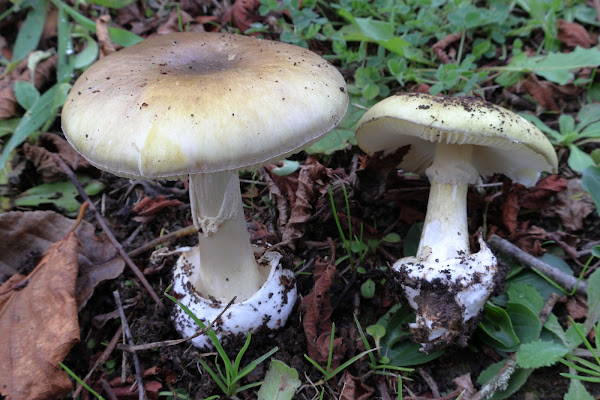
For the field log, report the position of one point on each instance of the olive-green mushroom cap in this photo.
(503, 142)
(188, 103)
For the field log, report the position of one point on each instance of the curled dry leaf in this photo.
(542, 92)
(572, 207)
(573, 34)
(27, 234)
(317, 310)
(355, 389)
(40, 155)
(39, 326)
(242, 14)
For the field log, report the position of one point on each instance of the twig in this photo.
(430, 382)
(164, 343)
(188, 230)
(107, 390)
(136, 361)
(567, 281)
(107, 230)
(101, 360)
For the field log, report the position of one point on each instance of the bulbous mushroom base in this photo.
(448, 296)
(268, 308)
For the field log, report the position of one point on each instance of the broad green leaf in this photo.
(525, 322)
(579, 160)
(517, 379)
(566, 124)
(118, 36)
(557, 67)
(593, 298)
(588, 113)
(577, 391)
(39, 113)
(281, 382)
(411, 241)
(64, 68)
(591, 184)
(522, 293)
(591, 131)
(60, 194)
(31, 31)
(88, 55)
(540, 354)
(375, 29)
(8, 126)
(112, 3)
(26, 94)
(395, 344)
(497, 329)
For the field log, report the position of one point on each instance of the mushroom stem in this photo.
(445, 232)
(226, 266)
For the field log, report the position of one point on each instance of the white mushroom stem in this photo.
(226, 266)
(445, 233)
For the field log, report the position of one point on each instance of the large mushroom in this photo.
(207, 105)
(453, 141)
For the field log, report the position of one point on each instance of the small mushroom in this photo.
(453, 141)
(208, 105)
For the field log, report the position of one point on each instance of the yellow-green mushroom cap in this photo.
(188, 103)
(503, 142)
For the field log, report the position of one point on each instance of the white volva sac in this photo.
(452, 141)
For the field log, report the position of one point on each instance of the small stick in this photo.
(164, 343)
(107, 230)
(101, 360)
(107, 390)
(136, 360)
(567, 281)
(188, 230)
(430, 382)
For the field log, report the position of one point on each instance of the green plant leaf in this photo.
(8, 126)
(556, 67)
(540, 353)
(579, 160)
(88, 55)
(517, 379)
(593, 294)
(26, 94)
(112, 3)
(522, 293)
(281, 382)
(590, 182)
(367, 289)
(497, 328)
(40, 112)
(62, 195)
(31, 31)
(577, 391)
(411, 241)
(525, 322)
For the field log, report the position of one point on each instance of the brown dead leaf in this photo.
(538, 196)
(172, 23)
(43, 73)
(106, 45)
(355, 389)
(529, 238)
(148, 206)
(38, 326)
(573, 34)
(301, 208)
(572, 207)
(27, 234)
(242, 14)
(577, 309)
(316, 307)
(41, 156)
(511, 208)
(542, 92)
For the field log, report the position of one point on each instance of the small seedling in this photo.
(327, 372)
(227, 380)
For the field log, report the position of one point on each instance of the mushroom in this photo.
(453, 141)
(208, 105)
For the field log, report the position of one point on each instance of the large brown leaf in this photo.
(25, 235)
(39, 326)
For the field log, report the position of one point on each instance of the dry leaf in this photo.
(355, 389)
(538, 196)
(28, 234)
(572, 207)
(38, 327)
(542, 92)
(41, 156)
(242, 14)
(573, 34)
(317, 310)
